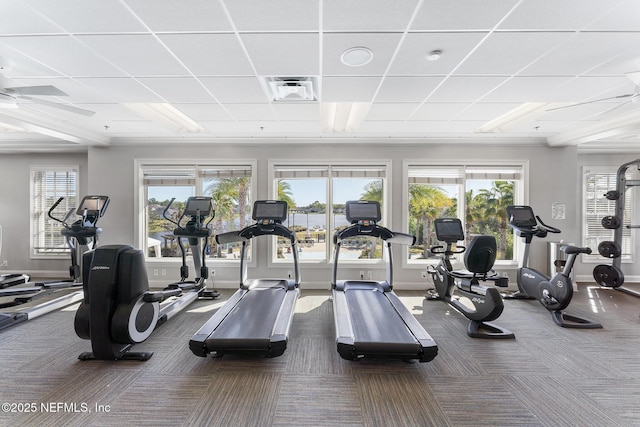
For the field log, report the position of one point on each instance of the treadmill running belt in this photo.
(250, 322)
(377, 326)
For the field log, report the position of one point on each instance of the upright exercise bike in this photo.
(554, 293)
(462, 289)
(119, 310)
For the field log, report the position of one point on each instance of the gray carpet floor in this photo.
(547, 376)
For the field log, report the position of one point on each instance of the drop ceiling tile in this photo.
(554, 15)
(349, 89)
(209, 54)
(590, 53)
(122, 90)
(464, 88)
(274, 15)
(431, 111)
(18, 18)
(235, 90)
(171, 15)
(251, 112)
(135, 54)
(64, 54)
(283, 54)
(334, 45)
(411, 58)
(392, 111)
(456, 15)
(297, 111)
(407, 89)
(177, 89)
(79, 16)
(205, 112)
(367, 15)
(624, 15)
(508, 53)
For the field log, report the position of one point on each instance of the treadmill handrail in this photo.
(271, 229)
(374, 231)
(230, 237)
(362, 230)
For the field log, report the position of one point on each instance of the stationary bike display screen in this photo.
(93, 205)
(449, 230)
(270, 210)
(363, 211)
(521, 216)
(198, 203)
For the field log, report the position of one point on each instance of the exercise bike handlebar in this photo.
(547, 227)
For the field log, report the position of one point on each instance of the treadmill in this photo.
(370, 319)
(257, 317)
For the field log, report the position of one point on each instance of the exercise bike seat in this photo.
(478, 260)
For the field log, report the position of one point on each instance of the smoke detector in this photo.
(291, 89)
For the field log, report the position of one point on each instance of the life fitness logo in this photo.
(100, 267)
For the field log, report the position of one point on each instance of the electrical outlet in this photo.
(5, 263)
(289, 274)
(423, 274)
(213, 274)
(362, 275)
(163, 272)
(155, 271)
(369, 275)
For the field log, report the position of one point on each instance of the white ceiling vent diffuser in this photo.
(291, 89)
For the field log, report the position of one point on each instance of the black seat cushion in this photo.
(480, 254)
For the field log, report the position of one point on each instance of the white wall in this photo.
(552, 178)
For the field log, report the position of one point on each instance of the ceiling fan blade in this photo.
(626, 95)
(65, 107)
(35, 90)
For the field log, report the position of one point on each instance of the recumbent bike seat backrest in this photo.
(481, 254)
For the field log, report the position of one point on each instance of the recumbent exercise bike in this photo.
(462, 289)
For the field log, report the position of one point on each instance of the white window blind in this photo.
(596, 206)
(47, 186)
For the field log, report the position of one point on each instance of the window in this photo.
(316, 195)
(478, 195)
(48, 184)
(230, 187)
(597, 181)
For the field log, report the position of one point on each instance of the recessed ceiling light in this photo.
(434, 55)
(356, 56)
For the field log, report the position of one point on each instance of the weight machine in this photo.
(611, 275)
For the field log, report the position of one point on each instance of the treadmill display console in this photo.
(449, 229)
(198, 203)
(270, 210)
(521, 216)
(365, 211)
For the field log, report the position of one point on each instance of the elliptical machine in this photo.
(478, 303)
(118, 309)
(554, 293)
(83, 235)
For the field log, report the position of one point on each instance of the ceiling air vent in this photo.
(291, 89)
